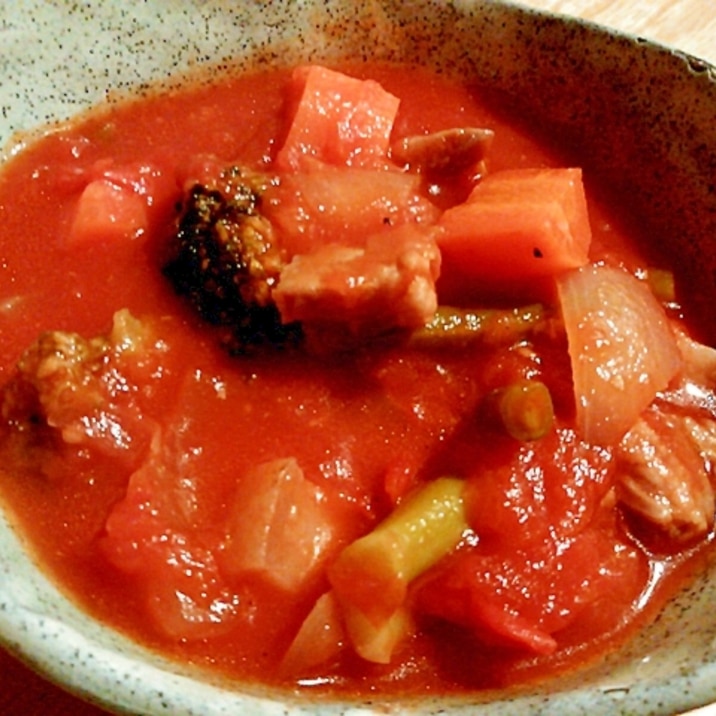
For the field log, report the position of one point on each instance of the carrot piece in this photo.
(339, 120)
(516, 225)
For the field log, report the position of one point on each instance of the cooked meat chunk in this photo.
(664, 473)
(449, 150)
(77, 387)
(53, 375)
(389, 284)
(226, 260)
(702, 432)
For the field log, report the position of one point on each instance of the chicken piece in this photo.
(364, 292)
(664, 472)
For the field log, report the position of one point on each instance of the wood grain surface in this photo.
(689, 25)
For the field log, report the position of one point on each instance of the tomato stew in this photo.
(392, 488)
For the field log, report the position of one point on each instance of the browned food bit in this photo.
(77, 388)
(54, 386)
(226, 258)
(450, 150)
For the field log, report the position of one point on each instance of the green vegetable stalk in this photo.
(662, 284)
(454, 327)
(525, 408)
(371, 575)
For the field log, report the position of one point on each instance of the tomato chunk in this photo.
(281, 527)
(550, 488)
(150, 536)
(516, 225)
(340, 120)
(119, 202)
(524, 598)
(107, 212)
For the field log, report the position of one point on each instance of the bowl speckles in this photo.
(642, 116)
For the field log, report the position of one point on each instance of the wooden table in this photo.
(687, 24)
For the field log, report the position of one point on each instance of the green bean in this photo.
(419, 531)
(454, 327)
(371, 575)
(662, 284)
(525, 408)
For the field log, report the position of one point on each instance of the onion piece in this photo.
(621, 345)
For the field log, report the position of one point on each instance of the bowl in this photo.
(643, 116)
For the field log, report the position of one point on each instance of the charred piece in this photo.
(226, 261)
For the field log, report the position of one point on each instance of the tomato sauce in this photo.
(366, 426)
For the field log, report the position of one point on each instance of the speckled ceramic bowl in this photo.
(642, 115)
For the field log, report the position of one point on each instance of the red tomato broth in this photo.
(381, 412)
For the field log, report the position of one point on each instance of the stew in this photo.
(340, 378)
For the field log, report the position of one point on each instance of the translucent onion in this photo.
(621, 345)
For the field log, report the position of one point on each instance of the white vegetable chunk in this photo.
(621, 345)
